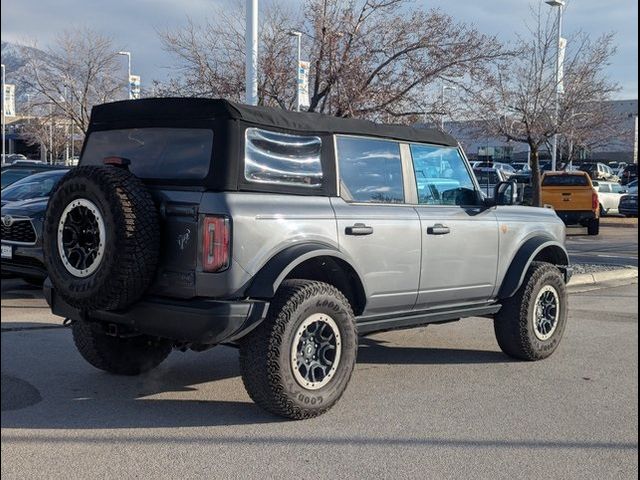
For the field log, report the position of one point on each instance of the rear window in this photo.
(565, 181)
(487, 177)
(155, 153)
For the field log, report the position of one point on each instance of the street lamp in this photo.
(4, 118)
(442, 99)
(128, 55)
(251, 39)
(298, 35)
(559, 4)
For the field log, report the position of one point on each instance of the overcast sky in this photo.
(133, 24)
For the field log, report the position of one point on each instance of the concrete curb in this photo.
(597, 278)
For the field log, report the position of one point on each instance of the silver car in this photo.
(191, 223)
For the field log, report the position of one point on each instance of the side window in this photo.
(605, 188)
(282, 159)
(370, 170)
(442, 177)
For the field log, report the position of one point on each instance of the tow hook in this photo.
(68, 322)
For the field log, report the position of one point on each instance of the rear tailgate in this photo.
(178, 262)
(568, 198)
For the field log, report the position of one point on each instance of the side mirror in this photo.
(506, 193)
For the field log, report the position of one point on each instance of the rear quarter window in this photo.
(282, 159)
(565, 181)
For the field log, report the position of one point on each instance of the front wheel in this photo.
(530, 325)
(298, 362)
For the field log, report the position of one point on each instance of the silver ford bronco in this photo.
(191, 223)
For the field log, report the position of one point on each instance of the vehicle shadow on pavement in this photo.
(68, 394)
(15, 289)
(375, 351)
(58, 390)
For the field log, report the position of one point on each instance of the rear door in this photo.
(376, 228)
(460, 243)
(163, 157)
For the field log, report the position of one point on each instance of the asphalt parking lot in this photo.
(436, 402)
(617, 243)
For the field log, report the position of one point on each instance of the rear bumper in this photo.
(191, 321)
(570, 217)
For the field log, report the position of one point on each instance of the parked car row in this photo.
(24, 203)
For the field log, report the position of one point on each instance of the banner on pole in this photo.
(9, 100)
(562, 49)
(303, 83)
(134, 86)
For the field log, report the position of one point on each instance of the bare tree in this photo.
(370, 58)
(518, 103)
(50, 130)
(594, 126)
(79, 70)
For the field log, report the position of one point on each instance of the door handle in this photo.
(359, 229)
(438, 229)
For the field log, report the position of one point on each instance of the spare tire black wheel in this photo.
(101, 238)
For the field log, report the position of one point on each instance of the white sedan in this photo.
(609, 194)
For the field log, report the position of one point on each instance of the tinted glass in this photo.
(278, 158)
(487, 178)
(442, 177)
(33, 186)
(565, 181)
(370, 170)
(10, 176)
(155, 153)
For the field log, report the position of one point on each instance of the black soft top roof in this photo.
(180, 110)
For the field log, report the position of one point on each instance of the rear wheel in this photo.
(530, 324)
(119, 355)
(298, 362)
(593, 227)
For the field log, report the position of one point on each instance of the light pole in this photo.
(559, 4)
(4, 118)
(251, 39)
(442, 99)
(128, 55)
(298, 35)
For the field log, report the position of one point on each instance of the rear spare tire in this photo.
(101, 238)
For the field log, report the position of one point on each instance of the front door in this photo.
(460, 239)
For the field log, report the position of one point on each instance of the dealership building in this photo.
(479, 147)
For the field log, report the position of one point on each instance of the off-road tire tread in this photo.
(137, 244)
(260, 350)
(120, 356)
(511, 322)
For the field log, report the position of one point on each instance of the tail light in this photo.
(215, 244)
(595, 202)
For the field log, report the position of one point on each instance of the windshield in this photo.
(155, 153)
(33, 186)
(11, 175)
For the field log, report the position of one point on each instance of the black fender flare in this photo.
(524, 257)
(266, 282)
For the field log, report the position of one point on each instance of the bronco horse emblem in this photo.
(184, 239)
